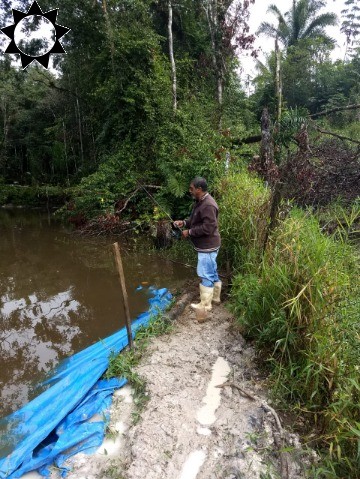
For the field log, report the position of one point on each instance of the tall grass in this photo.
(300, 301)
(342, 220)
(244, 205)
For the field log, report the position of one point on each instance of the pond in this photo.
(60, 292)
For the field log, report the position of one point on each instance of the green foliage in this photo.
(292, 121)
(302, 307)
(181, 148)
(342, 220)
(239, 112)
(97, 193)
(244, 205)
(310, 79)
(185, 145)
(351, 26)
(32, 196)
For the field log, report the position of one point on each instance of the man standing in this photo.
(202, 229)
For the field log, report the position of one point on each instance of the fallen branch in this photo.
(242, 391)
(336, 135)
(279, 442)
(179, 306)
(247, 141)
(278, 435)
(334, 110)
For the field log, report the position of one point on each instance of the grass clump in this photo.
(243, 217)
(122, 365)
(341, 220)
(301, 305)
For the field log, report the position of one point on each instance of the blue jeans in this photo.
(207, 268)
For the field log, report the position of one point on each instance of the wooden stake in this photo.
(123, 292)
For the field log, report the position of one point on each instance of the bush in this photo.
(302, 307)
(244, 208)
(33, 196)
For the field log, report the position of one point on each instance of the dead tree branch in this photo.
(334, 110)
(242, 391)
(336, 135)
(279, 442)
(247, 141)
(117, 212)
(278, 432)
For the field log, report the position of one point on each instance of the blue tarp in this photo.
(54, 426)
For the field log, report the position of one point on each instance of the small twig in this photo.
(126, 231)
(133, 194)
(51, 84)
(279, 442)
(276, 417)
(242, 391)
(278, 435)
(127, 201)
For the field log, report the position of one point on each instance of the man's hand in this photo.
(185, 233)
(179, 223)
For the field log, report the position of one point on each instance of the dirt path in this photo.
(191, 429)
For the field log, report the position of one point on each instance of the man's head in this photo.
(198, 187)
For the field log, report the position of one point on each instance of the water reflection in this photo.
(58, 294)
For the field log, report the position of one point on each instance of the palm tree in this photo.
(302, 22)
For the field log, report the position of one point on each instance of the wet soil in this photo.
(191, 428)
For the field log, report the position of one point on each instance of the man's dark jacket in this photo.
(203, 225)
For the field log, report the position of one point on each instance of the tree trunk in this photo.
(211, 14)
(278, 81)
(269, 171)
(80, 130)
(273, 215)
(3, 155)
(220, 88)
(172, 60)
(65, 154)
(266, 148)
(109, 33)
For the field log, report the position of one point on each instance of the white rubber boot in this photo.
(217, 292)
(206, 295)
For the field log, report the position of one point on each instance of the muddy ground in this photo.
(191, 429)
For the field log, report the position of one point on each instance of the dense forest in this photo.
(149, 93)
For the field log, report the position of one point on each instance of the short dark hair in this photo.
(199, 182)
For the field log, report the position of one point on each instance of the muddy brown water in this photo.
(59, 293)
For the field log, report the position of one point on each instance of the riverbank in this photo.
(26, 196)
(190, 428)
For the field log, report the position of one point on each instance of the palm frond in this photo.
(268, 29)
(321, 35)
(322, 21)
(261, 67)
(275, 11)
(300, 22)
